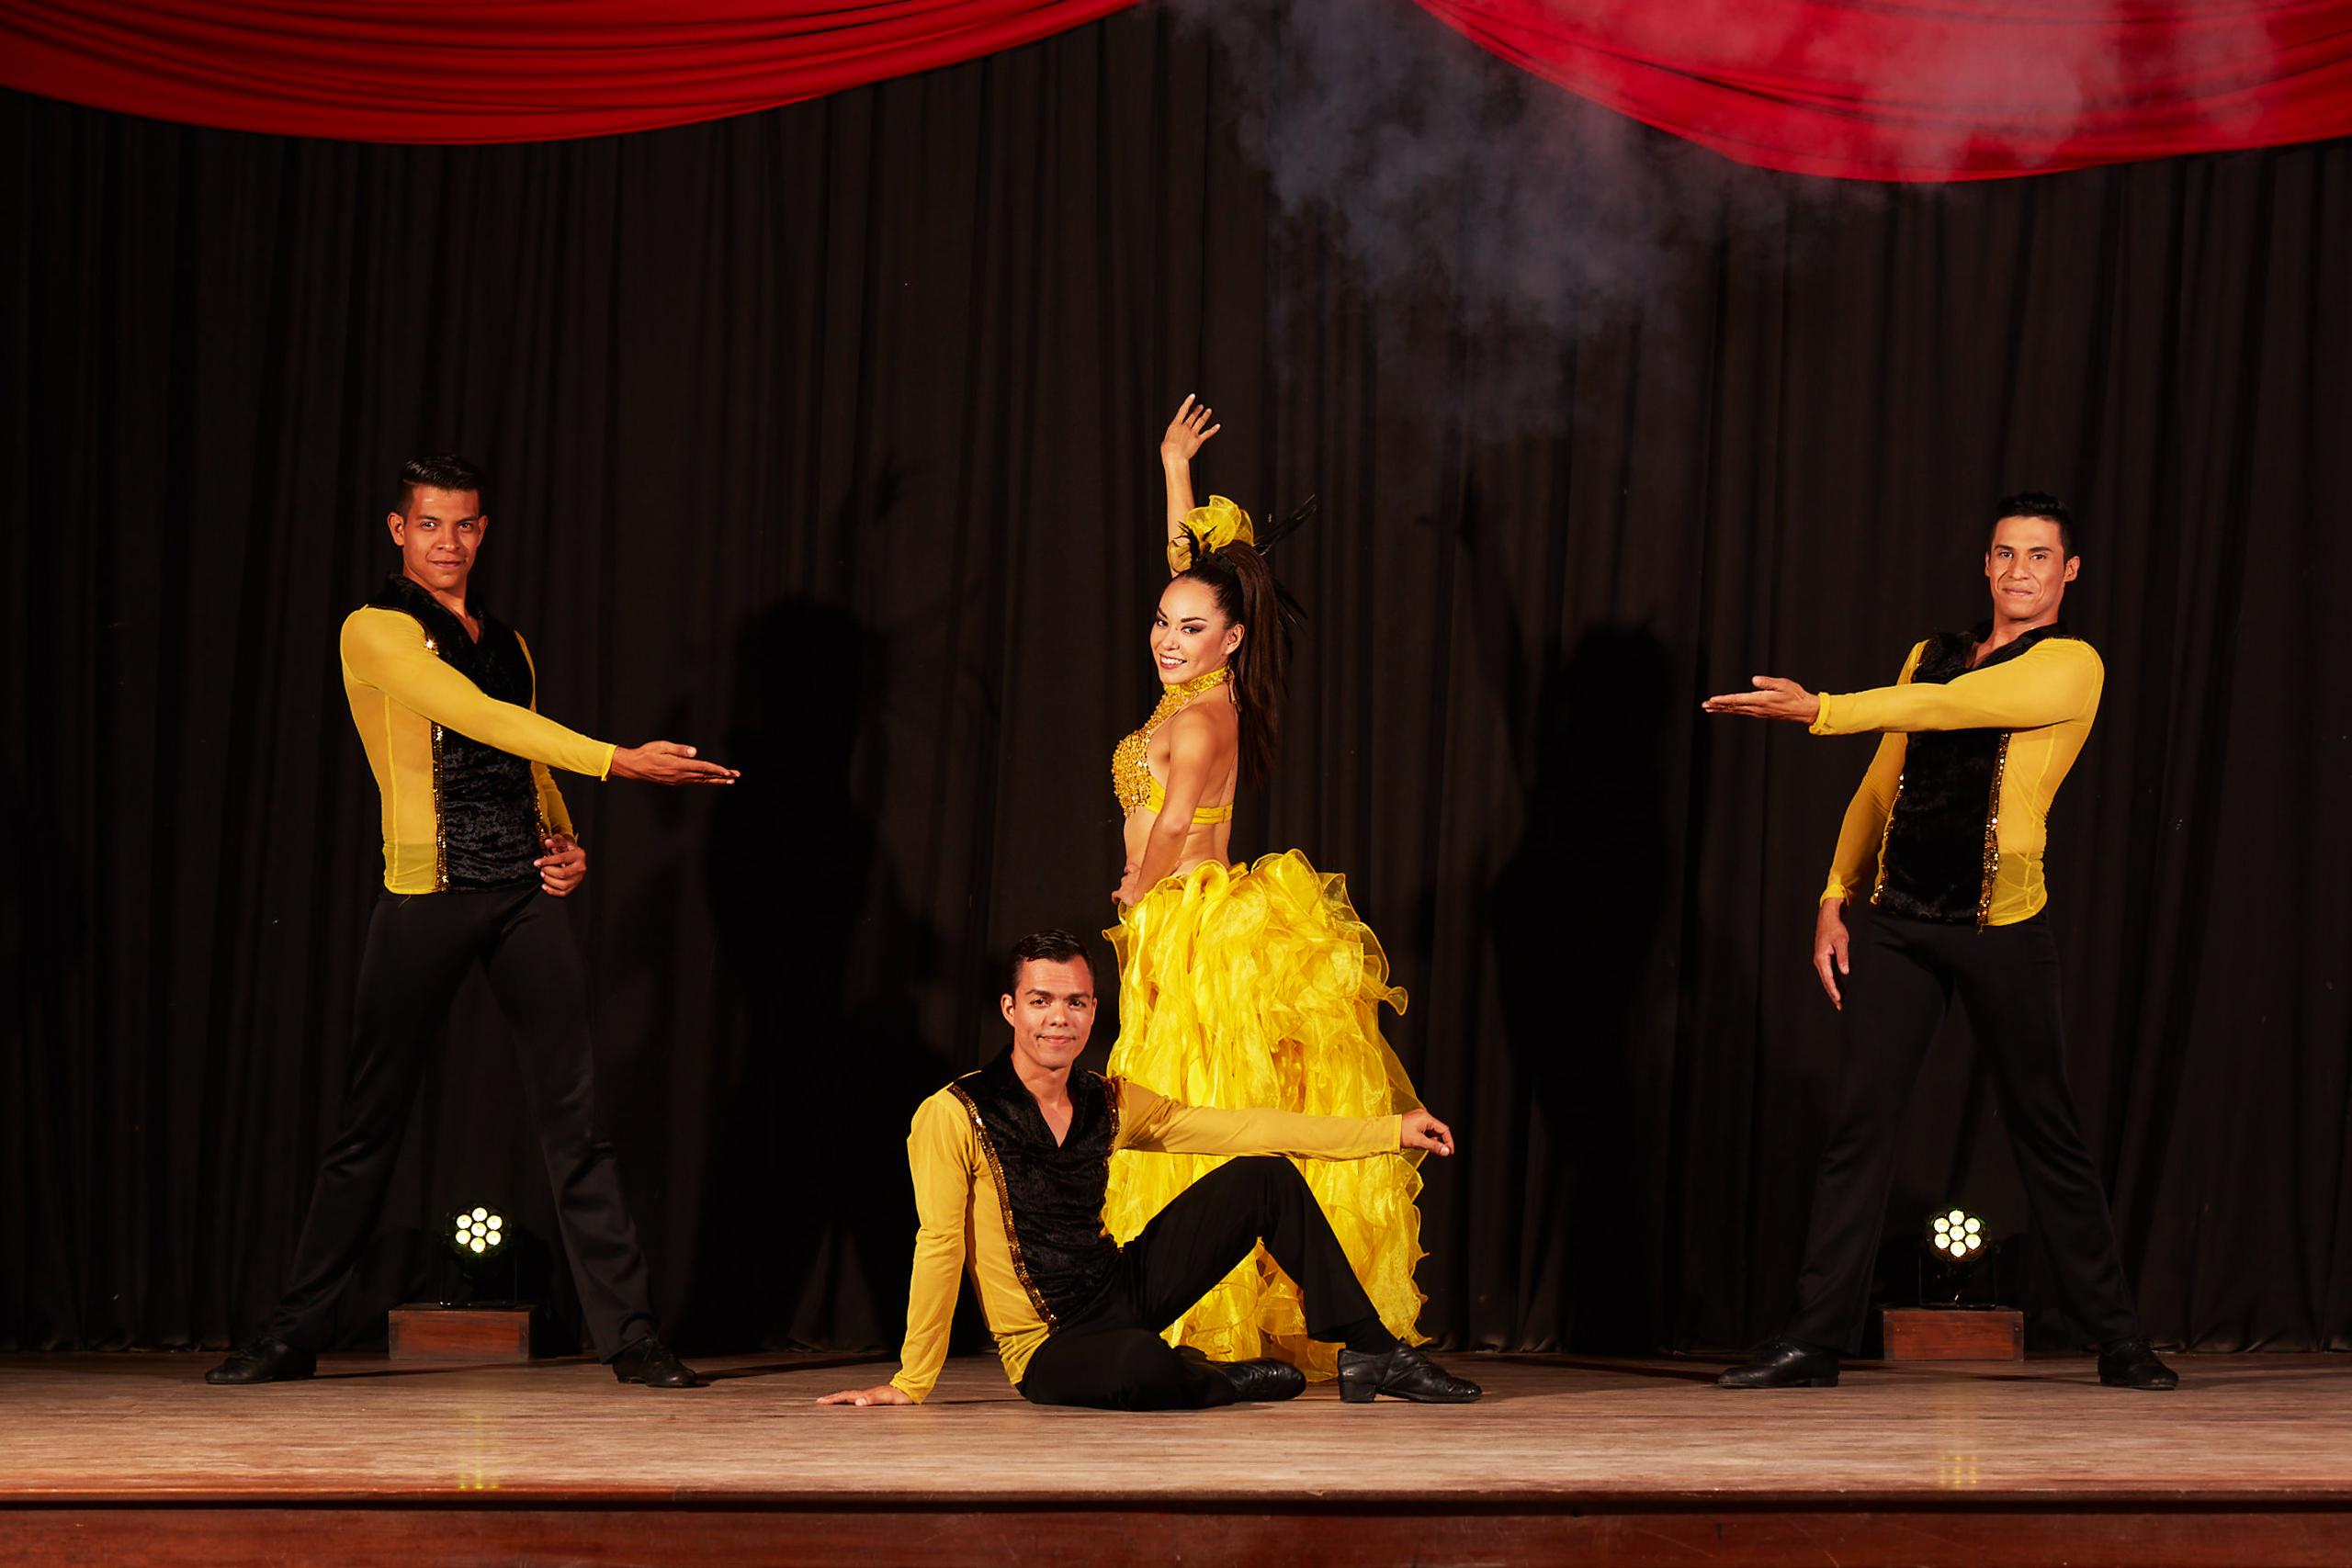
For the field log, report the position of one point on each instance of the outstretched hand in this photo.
(1423, 1131)
(667, 762)
(881, 1393)
(1188, 431)
(1773, 698)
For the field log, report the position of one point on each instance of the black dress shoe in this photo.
(646, 1360)
(2128, 1363)
(1401, 1373)
(1785, 1365)
(263, 1359)
(1265, 1379)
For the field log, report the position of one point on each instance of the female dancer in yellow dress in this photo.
(1244, 987)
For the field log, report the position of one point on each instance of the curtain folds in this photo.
(1942, 89)
(1858, 89)
(468, 71)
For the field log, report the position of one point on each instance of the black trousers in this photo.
(1904, 974)
(420, 947)
(1112, 1356)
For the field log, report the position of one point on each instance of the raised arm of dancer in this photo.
(1186, 435)
(387, 651)
(940, 1155)
(2048, 683)
(2051, 682)
(1153, 1122)
(1192, 759)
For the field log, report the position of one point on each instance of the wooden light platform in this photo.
(1953, 1333)
(427, 1331)
(132, 1458)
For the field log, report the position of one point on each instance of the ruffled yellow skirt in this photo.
(1257, 988)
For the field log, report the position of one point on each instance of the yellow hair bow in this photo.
(1211, 529)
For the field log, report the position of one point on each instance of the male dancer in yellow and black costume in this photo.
(1009, 1168)
(1948, 831)
(478, 849)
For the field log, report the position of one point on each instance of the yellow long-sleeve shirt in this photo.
(401, 693)
(2043, 700)
(963, 1216)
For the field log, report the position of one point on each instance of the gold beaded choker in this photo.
(1131, 779)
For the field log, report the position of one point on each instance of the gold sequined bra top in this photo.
(1131, 778)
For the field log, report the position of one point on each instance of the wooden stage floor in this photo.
(131, 1458)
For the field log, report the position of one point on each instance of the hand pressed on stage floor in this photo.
(880, 1394)
(1774, 697)
(667, 762)
(564, 865)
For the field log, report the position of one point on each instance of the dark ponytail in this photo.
(1248, 596)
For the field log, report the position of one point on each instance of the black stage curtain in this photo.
(824, 438)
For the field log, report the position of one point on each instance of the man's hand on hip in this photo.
(563, 868)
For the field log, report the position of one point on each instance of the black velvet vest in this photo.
(1052, 1193)
(1942, 842)
(485, 800)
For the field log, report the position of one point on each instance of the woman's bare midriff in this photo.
(1205, 843)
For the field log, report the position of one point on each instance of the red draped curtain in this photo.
(478, 71)
(1942, 89)
(1859, 89)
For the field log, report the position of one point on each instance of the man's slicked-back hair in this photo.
(2036, 503)
(1054, 947)
(442, 470)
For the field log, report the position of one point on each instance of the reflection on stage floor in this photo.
(134, 1457)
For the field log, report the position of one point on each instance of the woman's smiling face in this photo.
(1190, 636)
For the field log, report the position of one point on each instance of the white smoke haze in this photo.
(1436, 165)
(1444, 173)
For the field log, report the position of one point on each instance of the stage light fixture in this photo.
(477, 1233)
(1955, 1236)
(483, 1291)
(1963, 1264)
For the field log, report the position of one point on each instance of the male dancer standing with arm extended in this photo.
(477, 846)
(1948, 827)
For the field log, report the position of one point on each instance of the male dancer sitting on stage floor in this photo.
(1979, 731)
(1015, 1157)
(475, 832)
